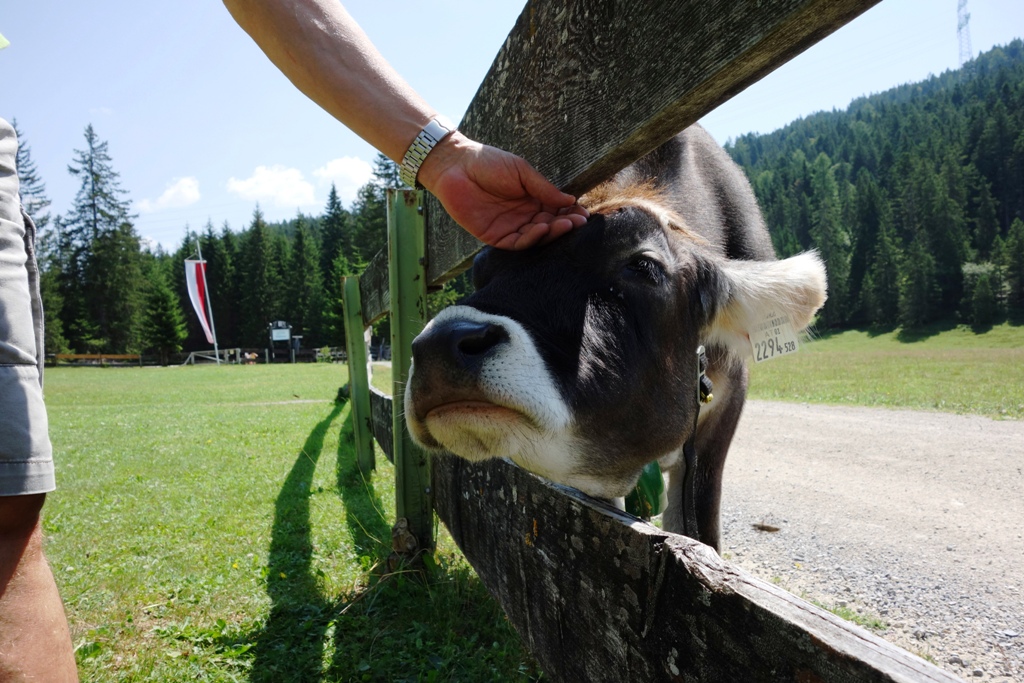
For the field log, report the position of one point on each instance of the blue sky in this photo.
(201, 126)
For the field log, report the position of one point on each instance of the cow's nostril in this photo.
(457, 345)
(475, 340)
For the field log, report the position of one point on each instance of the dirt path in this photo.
(912, 517)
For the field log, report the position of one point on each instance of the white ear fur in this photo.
(795, 286)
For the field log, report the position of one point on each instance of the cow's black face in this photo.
(577, 360)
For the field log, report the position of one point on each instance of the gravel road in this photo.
(912, 518)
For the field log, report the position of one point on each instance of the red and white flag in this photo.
(195, 278)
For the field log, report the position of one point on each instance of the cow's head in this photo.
(577, 360)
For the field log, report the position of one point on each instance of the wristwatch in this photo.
(432, 133)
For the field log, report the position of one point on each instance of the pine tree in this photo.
(54, 340)
(1013, 255)
(983, 305)
(99, 206)
(947, 232)
(304, 285)
(100, 274)
(831, 238)
(882, 282)
(231, 320)
(334, 313)
(918, 291)
(335, 232)
(386, 172)
(261, 293)
(116, 289)
(194, 337)
(220, 283)
(992, 155)
(163, 327)
(871, 211)
(986, 222)
(370, 224)
(370, 213)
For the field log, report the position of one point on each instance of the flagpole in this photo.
(209, 303)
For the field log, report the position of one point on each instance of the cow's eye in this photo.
(646, 267)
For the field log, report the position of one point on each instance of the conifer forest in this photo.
(914, 197)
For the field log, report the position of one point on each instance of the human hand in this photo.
(497, 196)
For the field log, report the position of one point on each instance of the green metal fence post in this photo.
(358, 381)
(408, 283)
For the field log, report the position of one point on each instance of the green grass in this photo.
(946, 368)
(868, 621)
(211, 525)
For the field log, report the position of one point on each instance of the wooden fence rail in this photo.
(98, 358)
(582, 88)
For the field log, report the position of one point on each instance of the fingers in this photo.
(568, 219)
(575, 210)
(575, 214)
(541, 189)
(558, 228)
(543, 228)
(527, 236)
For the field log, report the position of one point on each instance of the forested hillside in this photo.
(914, 197)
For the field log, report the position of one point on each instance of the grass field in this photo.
(211, 525)
(944, 368)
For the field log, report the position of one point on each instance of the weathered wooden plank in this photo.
(358, 378)
(582, 88)
(374, 288)
(380, 422)
(600, 596)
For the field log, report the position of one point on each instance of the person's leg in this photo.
(35, 644)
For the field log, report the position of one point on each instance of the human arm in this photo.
(496, 196)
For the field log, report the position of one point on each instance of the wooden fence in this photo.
(582, 88)
(95, 358)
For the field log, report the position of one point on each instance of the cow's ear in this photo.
(751, 292)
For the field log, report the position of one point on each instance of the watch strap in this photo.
(432, 133)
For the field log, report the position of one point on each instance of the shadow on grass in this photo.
(1015, 317)
(289, 647)
(880, 330)
(923, 332)
(399, 628)
(364, 510)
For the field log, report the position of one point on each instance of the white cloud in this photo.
(275, 186)
(347, 173)
(180, 192)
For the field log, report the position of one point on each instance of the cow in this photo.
(578, 360)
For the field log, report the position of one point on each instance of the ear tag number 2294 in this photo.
(774, 336)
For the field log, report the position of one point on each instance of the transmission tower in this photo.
(963, 32)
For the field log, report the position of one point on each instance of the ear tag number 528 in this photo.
(774, 336)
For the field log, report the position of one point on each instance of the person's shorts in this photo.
(26, 461)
